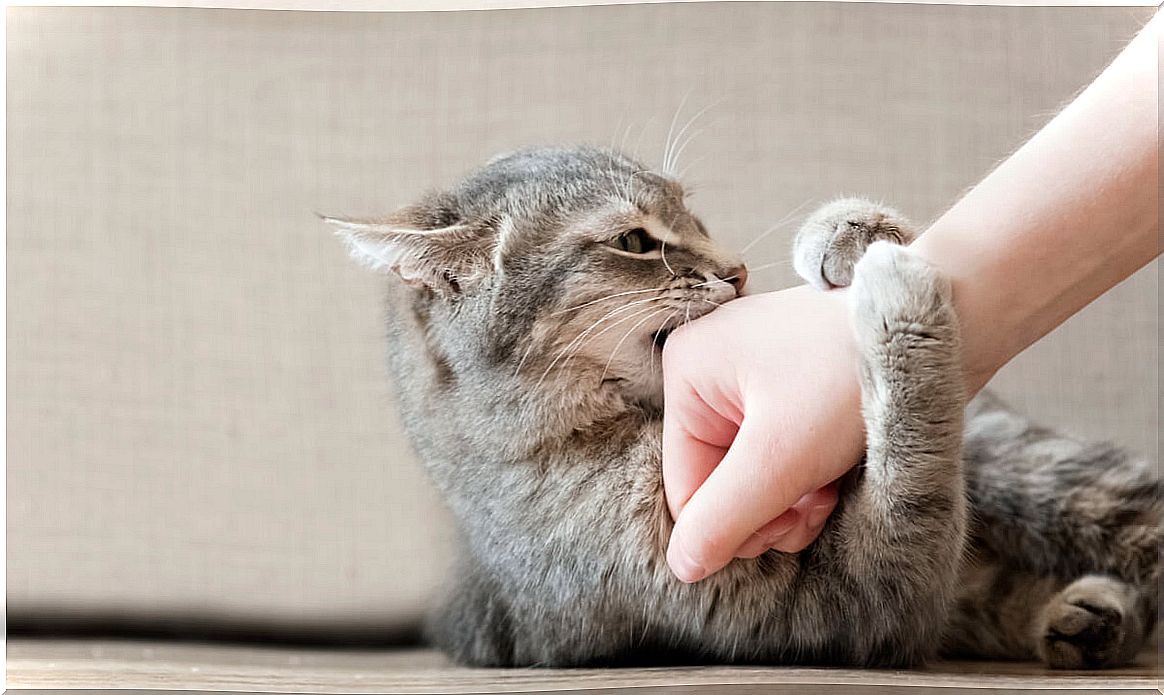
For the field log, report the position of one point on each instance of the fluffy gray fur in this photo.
(524, 336)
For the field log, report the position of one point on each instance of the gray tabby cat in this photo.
(532, 304)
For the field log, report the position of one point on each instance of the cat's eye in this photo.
(635, 241)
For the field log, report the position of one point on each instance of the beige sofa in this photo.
(200, 433)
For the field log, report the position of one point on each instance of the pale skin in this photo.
(754, 437)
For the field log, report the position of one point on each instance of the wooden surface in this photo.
(452, 5)
(157, 665)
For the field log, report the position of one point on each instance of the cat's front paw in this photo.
(832, 239)
(898, 298)
(1090, 624)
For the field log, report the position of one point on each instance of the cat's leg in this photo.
(832, 239)
(1095, 621)
(996, 612)
(1074, 531)
(1056, 505)
(890, 557)
(473, 624)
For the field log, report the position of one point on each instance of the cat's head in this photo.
(558, 265)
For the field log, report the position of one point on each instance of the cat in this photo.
(528, 311)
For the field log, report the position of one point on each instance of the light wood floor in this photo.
(156, 665)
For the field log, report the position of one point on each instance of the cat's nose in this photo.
(738, 277)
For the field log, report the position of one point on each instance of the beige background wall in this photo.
(197, 417)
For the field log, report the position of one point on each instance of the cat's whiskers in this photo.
(582, 343)
(617, 310)
(667, 144)
(661, 325)
(614, 133)
(578, 350)
(783, 220)
(676, 148)
(581, 336)
(765, 266)
(625, 134)
(603, 299)
(610, 173)
(525, 355)
(610, 177)
(628, 334)
(617, 128)
(708, 283)
(679, 150)
(609, 315)
(630, 182)
(622, 147)
(663, 254)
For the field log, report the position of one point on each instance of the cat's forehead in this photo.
(559, 180)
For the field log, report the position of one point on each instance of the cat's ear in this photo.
(448, 260)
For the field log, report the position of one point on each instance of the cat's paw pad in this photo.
(897, 294)
(1087, 625)
(832, 239)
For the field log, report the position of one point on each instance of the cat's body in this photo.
(524, 343)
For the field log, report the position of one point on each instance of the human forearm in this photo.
(1064, 219)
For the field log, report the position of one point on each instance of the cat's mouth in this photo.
(691, 312)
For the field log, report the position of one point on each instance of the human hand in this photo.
(754, 439)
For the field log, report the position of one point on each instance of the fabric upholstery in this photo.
(198, 417)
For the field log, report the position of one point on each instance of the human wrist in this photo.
(849, 425)
(989, 315)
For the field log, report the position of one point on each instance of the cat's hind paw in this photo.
(1091, 624)
(832, 239)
